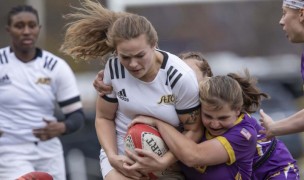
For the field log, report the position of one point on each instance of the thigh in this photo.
(105, 165)
(51, 161)
(114, 175)
(16, 160)
(107, 171)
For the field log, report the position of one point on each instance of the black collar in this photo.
(38, 53)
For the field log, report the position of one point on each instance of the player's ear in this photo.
(301, 15)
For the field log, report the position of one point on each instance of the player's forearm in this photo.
(179, 144)
(292, 124)
(105, 130)
(194, 134)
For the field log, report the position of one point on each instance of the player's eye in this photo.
(32, 25)
(19, 25)
(125, 57)
(140, 56)
(207, 116)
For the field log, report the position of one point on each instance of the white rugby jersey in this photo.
(174, 90)
(29, 91)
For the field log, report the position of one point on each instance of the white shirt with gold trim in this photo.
(174, 91)
(29, 91)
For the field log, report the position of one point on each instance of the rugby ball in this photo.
(143, 136)
(36, 176)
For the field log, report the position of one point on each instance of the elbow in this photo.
(191, 161)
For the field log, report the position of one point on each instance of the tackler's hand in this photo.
(99, 85)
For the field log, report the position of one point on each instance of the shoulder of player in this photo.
(245, 130)
(172, 61)
(46, 54)
(51, 61)
(4, 55)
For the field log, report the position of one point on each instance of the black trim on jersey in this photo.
(175, 80)
(112, 100)
(114, 69)
(165, 60)
(122, 71)
(170, 74)
(49, 64)
(266, 155)
(185, 111)
(69, 101)
(111, 70)
(3, 60)
(38, 53)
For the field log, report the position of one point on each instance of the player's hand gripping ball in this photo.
(146, 137)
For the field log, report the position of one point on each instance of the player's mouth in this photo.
(216, 132)
(27, 41)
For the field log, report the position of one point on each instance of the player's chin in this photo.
(216, 132)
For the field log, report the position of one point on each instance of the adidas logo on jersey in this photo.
(5, 80)
(122, 95)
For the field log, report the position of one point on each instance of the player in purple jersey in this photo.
(292, 22)
(272, 159)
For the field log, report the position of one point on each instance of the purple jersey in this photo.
(240, 143)
(279, 160)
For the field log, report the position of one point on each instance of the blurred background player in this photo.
(292, 22)
(137, 70)
(32, 80)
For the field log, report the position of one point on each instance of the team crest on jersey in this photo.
(45, 80)
(167, 99)
(5, 80)
(123, 95)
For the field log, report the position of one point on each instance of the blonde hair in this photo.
(95, 31)
(236, 91)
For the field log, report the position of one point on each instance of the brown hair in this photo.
(96, 31)
(239, 92)
(204, 65)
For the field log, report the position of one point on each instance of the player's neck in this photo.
(24, 55)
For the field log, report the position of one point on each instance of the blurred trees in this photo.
(245, 28)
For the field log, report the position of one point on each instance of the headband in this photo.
(294, 4)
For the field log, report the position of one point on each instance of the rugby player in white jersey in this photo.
(145, 80)
(32, 80)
